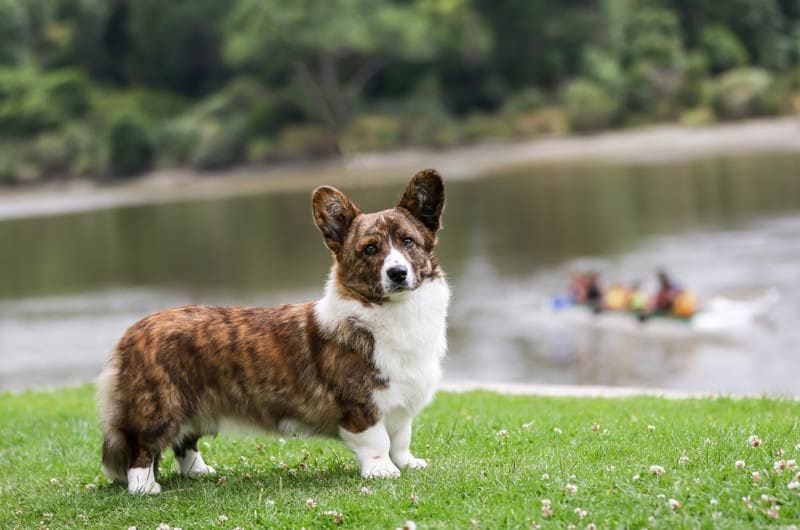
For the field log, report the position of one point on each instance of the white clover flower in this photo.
(661, 496)
(90, 487)
(571, 488)
(683, 460)
(651, 428)
(222, 518)
(581, 513)
(557, 431)
(746, 502)
(591, 526)
(132, 528)
(547, 509)
(739, 464)
(793, 485)
(409, 525)
(797, 447)
(657, 470)
(791, 464)
(163, 526)
(756, 476)
(366, 491)
(47, 515)
(595, 427)
(311, 503)
(772, 512)
(754, 441)
(281, 441)
(54, 481)
(713, 502)
(674, 504)
(502, 433)
(545, 476)
(635, 478)
(716, 515)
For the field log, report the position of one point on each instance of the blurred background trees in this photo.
(111, 88)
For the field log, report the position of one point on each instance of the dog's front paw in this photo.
(408, 460)
(200, 470)
(379, 468)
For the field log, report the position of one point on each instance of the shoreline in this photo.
(650, 145)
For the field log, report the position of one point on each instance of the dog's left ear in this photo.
(333, 213)
(424, 198)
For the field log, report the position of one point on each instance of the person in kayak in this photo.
(666, 295)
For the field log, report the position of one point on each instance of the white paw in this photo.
(192, 465)
(380, 468)
(141, 481)
(406, 459)
(415, 463)
(144, 488)
(200, 470)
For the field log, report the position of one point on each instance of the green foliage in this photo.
(722, 48)
(742, 93)
(372, 132)
(588, 106)
(215, 83)
(526, 100)
(131, 145)
(306, 141)
(654, 37)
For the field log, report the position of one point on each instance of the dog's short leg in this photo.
(190, 462)
(141, 473)
(371, 447)
(400, 435)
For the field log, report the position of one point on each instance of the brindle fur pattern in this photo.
(175, 373)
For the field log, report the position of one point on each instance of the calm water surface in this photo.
(70, 285)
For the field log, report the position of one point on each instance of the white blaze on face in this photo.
(395, 258)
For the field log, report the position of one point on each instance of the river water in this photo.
(71, 284)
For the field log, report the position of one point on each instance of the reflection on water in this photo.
(69, 285)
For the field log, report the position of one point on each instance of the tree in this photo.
(333, 48)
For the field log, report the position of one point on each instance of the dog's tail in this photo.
(116, 453)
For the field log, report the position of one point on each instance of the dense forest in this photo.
(111, 88)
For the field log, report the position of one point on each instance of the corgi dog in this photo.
(358, 364)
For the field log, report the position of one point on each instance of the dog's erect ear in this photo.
(333, 213)
(424, 198)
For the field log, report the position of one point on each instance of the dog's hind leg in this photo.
(190, 462)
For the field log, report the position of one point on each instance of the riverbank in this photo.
(494, 462)
(647, 145)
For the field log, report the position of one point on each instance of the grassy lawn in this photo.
(493, 462)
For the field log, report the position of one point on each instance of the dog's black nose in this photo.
(397, 274)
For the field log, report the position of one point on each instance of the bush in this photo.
(588, 106)
(373, 132)
(742, 93)
(306, 141)
(602, 68)
(131, 146)
(68, 91)
(478, 127)
(698, 117)
(260, 150)
(25, 108)
(220, 144)
(550, 121)
(654, 91)
(527, 100)
(784, 94)
(722, 48)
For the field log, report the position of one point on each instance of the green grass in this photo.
(492, 461)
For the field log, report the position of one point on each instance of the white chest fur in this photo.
(410, 333)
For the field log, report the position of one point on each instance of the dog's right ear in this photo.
(333, 213)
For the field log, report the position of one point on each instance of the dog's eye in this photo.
(408, 242)
(370, 250)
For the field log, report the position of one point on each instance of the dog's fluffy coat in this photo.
(360, 363)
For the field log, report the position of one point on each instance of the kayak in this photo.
(718, 316)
